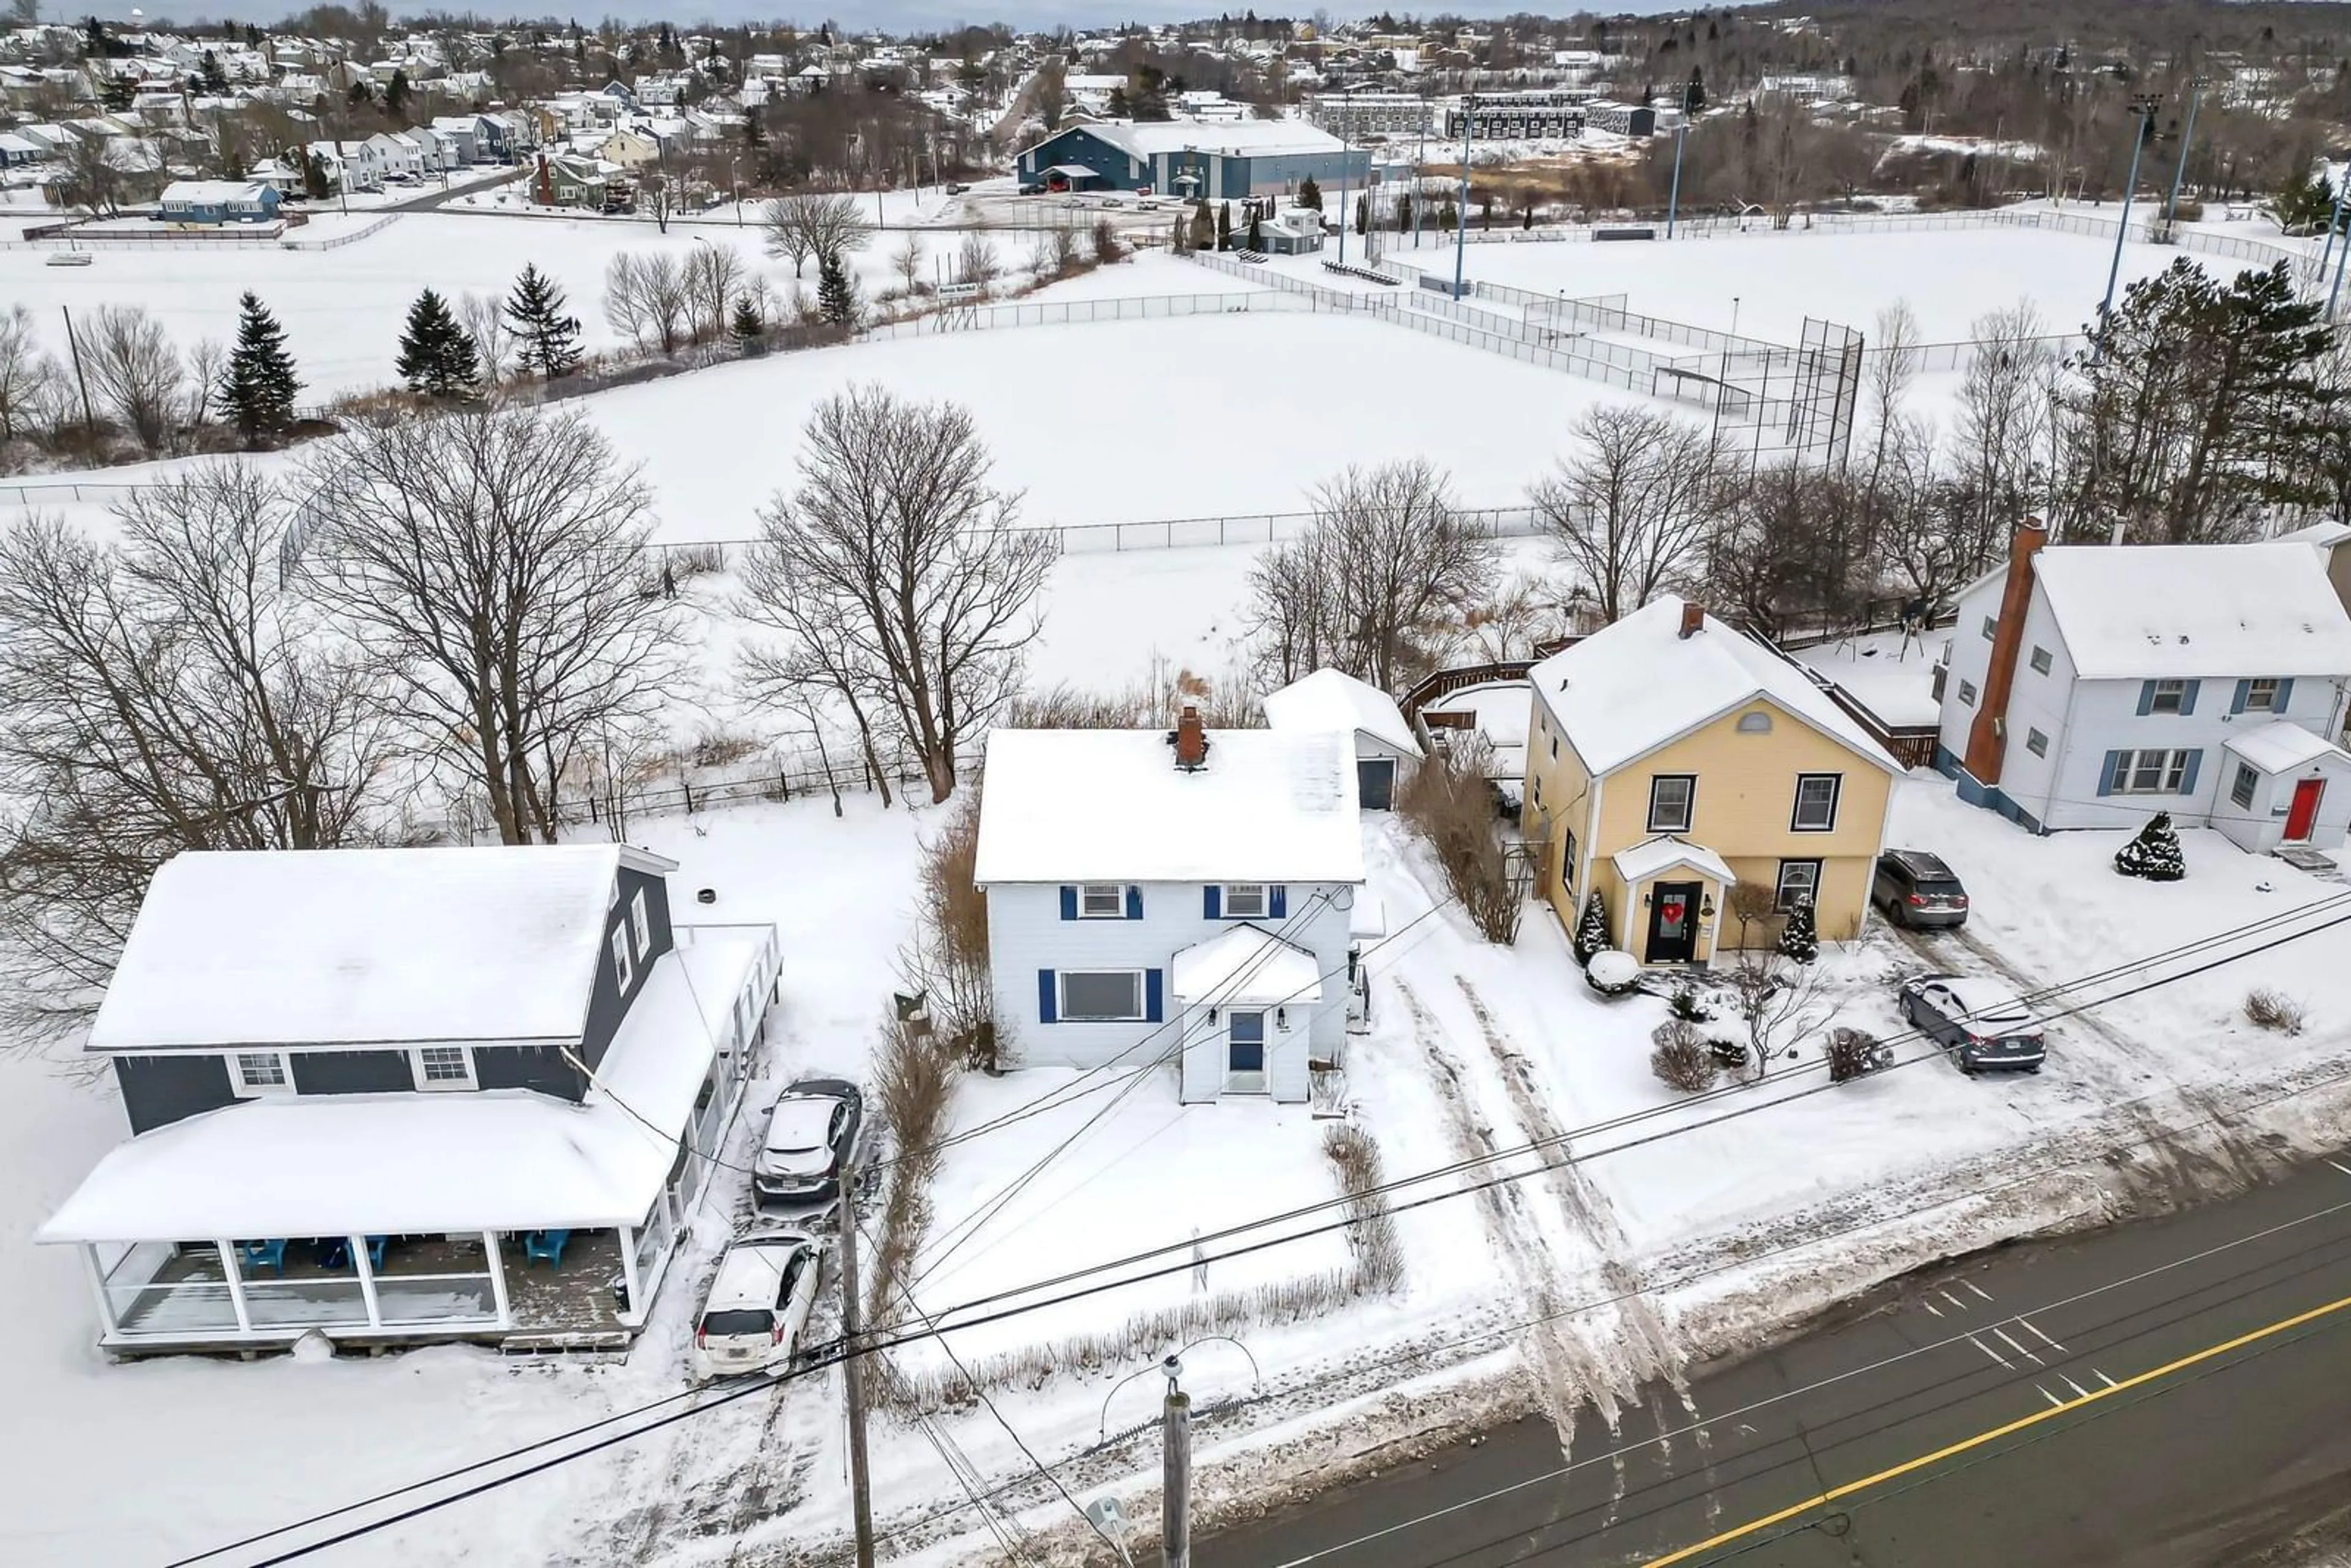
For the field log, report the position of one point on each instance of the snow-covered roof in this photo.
(1635, 685)
(1647, 859)
(1110, 805)
(1246, 964)
(212, 193)
(1242, 137)
(358, 946)
(336, 1165)
(2145, 611)
(2280, 746)
(1334, 700)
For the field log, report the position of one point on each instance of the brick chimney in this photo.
(1191, 741)
(1988, 735)
(1693, 619)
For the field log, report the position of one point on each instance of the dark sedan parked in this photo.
(811, 1138)
(1917, 890)
(1982, 1024)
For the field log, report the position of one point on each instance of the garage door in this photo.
(1375, 781)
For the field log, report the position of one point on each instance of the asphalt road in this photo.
(2172, 1393)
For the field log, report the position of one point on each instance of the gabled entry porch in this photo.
(1673, 893)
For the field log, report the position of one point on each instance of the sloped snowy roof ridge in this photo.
(1334, 700)
(2145, 611)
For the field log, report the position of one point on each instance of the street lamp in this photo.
(2143, 109)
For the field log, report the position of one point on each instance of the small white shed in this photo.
(1386, 751)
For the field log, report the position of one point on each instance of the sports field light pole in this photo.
(1674, 195)
(1461, 209)
(2180, 171)
(2342, 255)
(2335, 220)
(2143, 108)
(1342, 189)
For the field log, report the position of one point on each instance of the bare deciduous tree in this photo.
(713, 279)
(26, 373)
(1892, 366)
(160, 694)
(133, 370)
(205, 363)
(896, 573)
(645, 299)
(492, 563)
(2004, 414)
(815, 225)
(1387, 564)
(483, 317)
(907, 261)
(977, 262)
(1629, 509)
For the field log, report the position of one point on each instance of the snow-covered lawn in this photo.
(1890, 675)
(1949, 276)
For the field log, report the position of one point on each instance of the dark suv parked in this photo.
(1916, 889)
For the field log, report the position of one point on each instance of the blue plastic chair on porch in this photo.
(268, 1254)
(544, 1244)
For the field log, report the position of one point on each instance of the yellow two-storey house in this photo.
(1671, 759)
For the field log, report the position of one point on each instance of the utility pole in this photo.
(853, 1365)
(2172, 207)
(2342, 255)
(2143, 109)
(2335, 220)
(1461, 209)
(1674, 195)
(1176, 1482)
(80, 380)
(1342, 189)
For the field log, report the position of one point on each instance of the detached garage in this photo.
(1327, 701)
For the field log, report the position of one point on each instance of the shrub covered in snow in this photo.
(1591, 930)
(1681, 1060)
(2155, 854)
(1799, 940)
(1613, 972)
(1852, 1052)
(2274, 1011)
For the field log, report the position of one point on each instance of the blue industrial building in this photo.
(1214, 160)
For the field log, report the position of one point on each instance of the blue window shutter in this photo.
(2237, 702)
(2145, 698)
(1069, 904)
(2187, 774)
(2187, 699)
(2116, 763)
(2285, 695)
(1212, 903)
(1277, 905)
(1134, 903)
(1045, 995)
(1152, 989)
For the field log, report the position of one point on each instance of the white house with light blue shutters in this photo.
(1174, 898)
(2208, 681)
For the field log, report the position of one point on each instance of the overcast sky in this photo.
(890, 15)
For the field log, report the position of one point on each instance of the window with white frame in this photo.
(2037, 743)
(1102, 901)
(2041, 660)
(2167, 697)
(641, 923)
(1673, 797)
(2262, 694)
(1816, 802)
(1968, 693)
(443, 1067)
(1991, 628)
(260, 1072)
(1101, 996)
(2241, 788)
(2155, 771)
(1245, 900)
(623, 971)
(1800, 882)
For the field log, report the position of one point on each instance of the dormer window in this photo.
(252, 1072)
(443, 1067)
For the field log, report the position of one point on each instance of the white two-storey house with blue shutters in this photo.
(1174, 898)
(2093, 685)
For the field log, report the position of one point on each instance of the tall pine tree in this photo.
(546, 337)
(436, 355)
(836, 293)
(258, 384)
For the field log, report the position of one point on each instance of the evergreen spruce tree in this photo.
(2155, 854)
(1591, 930)
(258, 384)
(548, 338)
(747, 326)
(1256, 238)
(1224, 227)
(1800, 941)
(436, 355)
(396, 91)
(1309, 194)
(836, 293)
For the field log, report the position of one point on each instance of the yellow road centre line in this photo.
(1965, 1444)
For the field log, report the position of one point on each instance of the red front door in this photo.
(2304, 809)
